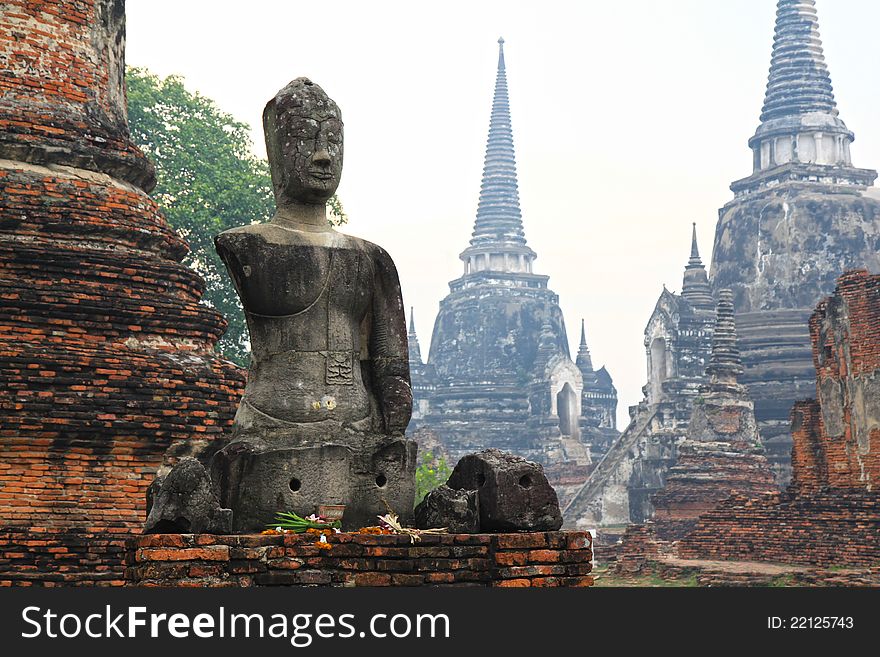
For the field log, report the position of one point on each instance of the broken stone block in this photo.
(183, 502)
(456, 510)
(514, 494)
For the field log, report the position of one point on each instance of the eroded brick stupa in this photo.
(106, 356)
(499, 372)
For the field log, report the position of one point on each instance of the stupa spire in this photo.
(498, 242)
(695, 250)
(584, 360)
(415, 352)
(725, 364)
(800, 129)
(799, 80)
(695, 285)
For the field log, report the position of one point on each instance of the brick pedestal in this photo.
(506, 560)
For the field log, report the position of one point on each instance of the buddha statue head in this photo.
(303, 129)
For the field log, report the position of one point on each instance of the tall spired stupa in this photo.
(499, 372)
(794, 225)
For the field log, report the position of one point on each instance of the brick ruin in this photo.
(106, 357)
(830, 514)
(536, 559)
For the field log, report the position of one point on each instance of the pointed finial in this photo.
(500, 53)
(695, 284)
(695, 251)
(584, 361)
(500, 41)
(415, 352)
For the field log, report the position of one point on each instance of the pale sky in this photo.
(630, 121)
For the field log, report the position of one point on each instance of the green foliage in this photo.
(209, 180)
(430, 473)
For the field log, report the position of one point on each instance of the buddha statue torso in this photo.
(306, 297)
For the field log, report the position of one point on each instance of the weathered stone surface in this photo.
(184, 501)
(781, 252)
(328, 394)
(840, 432)
(456, 510)
(513, 493)
(107, 356)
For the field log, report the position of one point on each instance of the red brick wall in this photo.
(106, 356)
(505, 560)
(822, 528)
(845, 331)
(809, 460)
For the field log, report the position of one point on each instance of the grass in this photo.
(782, 581)
(606, 579)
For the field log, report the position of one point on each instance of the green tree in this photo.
(430, 472)
(208, 180)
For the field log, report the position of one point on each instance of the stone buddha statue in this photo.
(328, 393)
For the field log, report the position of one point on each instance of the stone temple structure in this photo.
(678, 343)
(499, 373)
(795, 224)
(106, 356)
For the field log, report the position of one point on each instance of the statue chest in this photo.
(285, 281)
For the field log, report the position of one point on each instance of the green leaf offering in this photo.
(292, 522)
